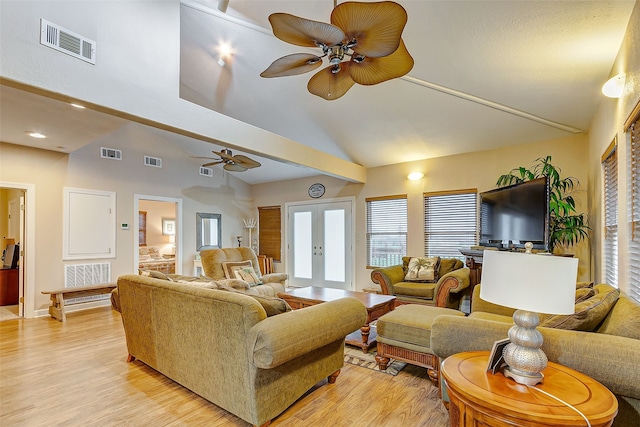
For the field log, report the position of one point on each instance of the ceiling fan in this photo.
(237, 163)
(368, 34)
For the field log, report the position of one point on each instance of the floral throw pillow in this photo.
(422, 269)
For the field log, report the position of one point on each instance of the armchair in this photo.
(213, 266)
(453, 280)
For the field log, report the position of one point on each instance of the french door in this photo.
(319, 245)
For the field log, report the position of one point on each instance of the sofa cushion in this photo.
(623, 319)
(415, 289)
(422, 269)
(229, 267)
(588, 314)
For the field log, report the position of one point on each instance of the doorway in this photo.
(319, 244)
(12, 233)
(157, 234)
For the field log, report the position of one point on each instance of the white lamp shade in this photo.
(538, 283)
(614, 87)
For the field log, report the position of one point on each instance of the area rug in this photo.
(356, 356)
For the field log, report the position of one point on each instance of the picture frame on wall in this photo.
(168, 226)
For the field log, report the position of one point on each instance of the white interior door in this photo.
(319, 246)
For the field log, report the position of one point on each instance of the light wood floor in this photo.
(75, 374)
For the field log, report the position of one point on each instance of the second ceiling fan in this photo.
(369, 34)
(237, 163)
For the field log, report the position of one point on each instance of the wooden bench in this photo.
(56, 309)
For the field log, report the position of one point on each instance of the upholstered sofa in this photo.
(608, 350)
(223, 346)
(216, 264)
(446, 290)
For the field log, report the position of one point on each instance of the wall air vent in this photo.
(156, 162)
(110, 153)
(66, 41)
(206, 171)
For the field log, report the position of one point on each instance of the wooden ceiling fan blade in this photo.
(376, 26)
(206, 165)
(246, 162)
(232, 167)
(304, 32)
(291, 65)
(372, 71)
(329, 85)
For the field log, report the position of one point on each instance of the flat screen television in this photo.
(514, 215)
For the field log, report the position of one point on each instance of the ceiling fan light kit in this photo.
(368, 34)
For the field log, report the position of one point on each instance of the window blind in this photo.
(610, 197)
(450, 222)
(634, 243)
(386, 230)
(269, 231)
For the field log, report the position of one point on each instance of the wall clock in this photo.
(316, 191)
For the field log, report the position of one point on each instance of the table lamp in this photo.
(531, 284)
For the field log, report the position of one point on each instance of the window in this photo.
(634, 188)
(269, 224)
(450, 222)
(386, 230)
(610, 186)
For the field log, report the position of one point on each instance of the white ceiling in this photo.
(487, 74)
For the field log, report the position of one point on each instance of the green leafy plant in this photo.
(566, 226)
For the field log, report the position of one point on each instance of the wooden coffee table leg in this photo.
(365, 336)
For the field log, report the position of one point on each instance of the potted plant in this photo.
(566, 226)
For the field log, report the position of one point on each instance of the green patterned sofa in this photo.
(446, 291)
(604, 344)
(221, 345)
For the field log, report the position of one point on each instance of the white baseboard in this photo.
(75, 307)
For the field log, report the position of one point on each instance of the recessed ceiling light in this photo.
(36, 134)
(82, 107)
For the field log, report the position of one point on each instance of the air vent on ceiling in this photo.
(156, 162)
(63, 40)
(110, 153)
(206, 171)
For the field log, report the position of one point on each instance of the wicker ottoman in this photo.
(405, 334)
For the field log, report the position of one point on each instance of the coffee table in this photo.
(376, 305)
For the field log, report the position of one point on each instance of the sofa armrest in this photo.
(386, 277)
(609, 359)
(284, 337)
(454, 282)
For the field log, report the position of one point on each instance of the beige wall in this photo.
(179, 178)
(156, 212)
(473, 170)
(607, 125)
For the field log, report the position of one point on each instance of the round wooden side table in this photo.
(480, 398)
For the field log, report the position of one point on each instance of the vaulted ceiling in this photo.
(487, 74)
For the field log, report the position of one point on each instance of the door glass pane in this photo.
(334, 242)
(302, 245)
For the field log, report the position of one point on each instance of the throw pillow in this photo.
(421, 269)
(583, 294)
(588, 314)
(199, 284)
(247, 274)
(229, 266)
(154, 274)
(271, 305)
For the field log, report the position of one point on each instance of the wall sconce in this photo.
(415, 176)
(614, 87)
